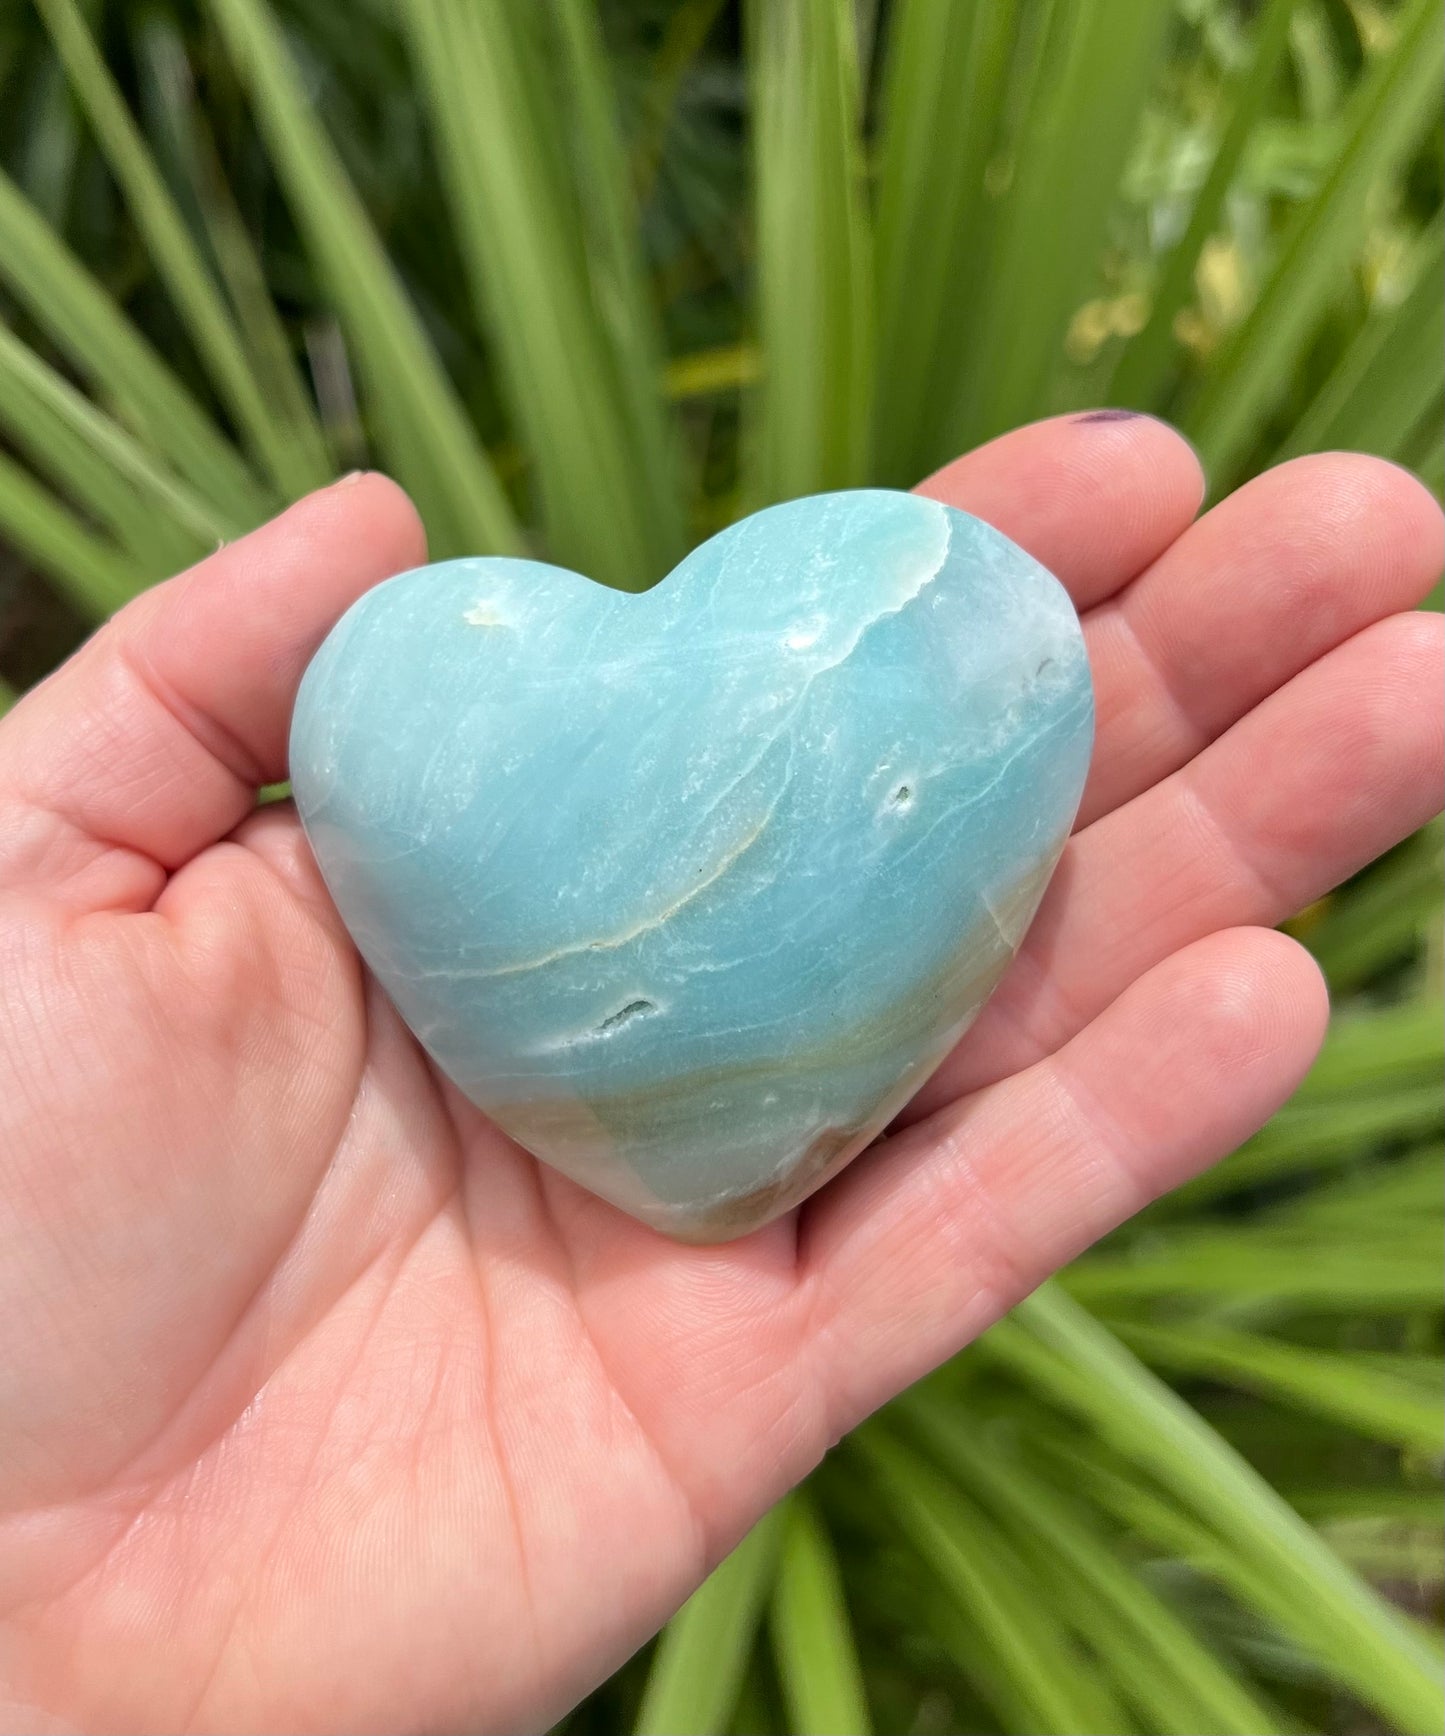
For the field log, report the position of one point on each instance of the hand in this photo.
(321, 1405)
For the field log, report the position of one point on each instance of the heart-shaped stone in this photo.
(690, 891)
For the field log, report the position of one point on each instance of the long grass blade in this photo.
(812, 1636)
(1310, 1135)
(700, 1659)
(549, 238)
(50, 147)
(1054, 1344)
(1385, 917)
(1178, 1685)
(996, 1594)
(1096, 68)
(1149, 357)
(97, 577)
(67, 303)
(617, 281)
(1425, 455)
(1369, 1200)
(177, 119)
(1384, 118)
(1292, 1650)
(687, 30)
(1402, 1192)
(1176, 1533)
(1393, 1273)
(178, 261)
(1389, 377)
(1399, 1045)
(811, 413)
(422, 430)
(946, 78)
(100, 465)
(1346, 1388)
(1325, 1501)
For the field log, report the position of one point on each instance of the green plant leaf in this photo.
(1378, 1048)
(421, 428)
(700, 1659)
(1384, 118)
(94, 574)
(1389, 1273)
(1177, 1684)
(1424, 453)
(1403, 1192)
(811, 412)
(1349, 1388)
(177, 117)
(1291, 1651)
(617, 283)
(1308, 1135)
(548, 234)
(1063, 166)
(1052, 1342)
(51, 150)
(1349, 1501)
(1382, 919)
(155, 517)
(292, 460)
(83, 321)
(995, 1593)
(688, 26)
(812, 1637)
(1148, 358)
(947, 75)
(1389, 377)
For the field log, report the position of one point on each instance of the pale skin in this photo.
(322, 1406)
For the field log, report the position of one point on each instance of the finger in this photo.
(1328, 773)
(151, 742)
(1281, 572)
(936, 1233)
(1095, 498)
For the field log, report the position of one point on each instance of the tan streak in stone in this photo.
(644, 927)
(557, 1130)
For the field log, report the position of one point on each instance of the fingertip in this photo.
(1421, 634)
(387, 505)
(1253, 1008)
(1386, 728)
(1146, 446)
(1284, 989)
(1095, 497)
(1157, 437)
(366, 504)
(1380, 507)
(1381, 481)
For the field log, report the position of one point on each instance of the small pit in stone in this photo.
(902, 797)
(624, 1015)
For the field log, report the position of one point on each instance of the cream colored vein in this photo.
(919, 583)
(646, 926)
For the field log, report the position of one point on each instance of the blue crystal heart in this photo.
(691, 890)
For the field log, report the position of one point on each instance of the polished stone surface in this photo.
(691, 890)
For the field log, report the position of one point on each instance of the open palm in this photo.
(321, 1405)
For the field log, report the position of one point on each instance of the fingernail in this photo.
(1109, 416)
(350, 477)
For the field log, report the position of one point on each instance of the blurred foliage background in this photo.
(593, 277)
